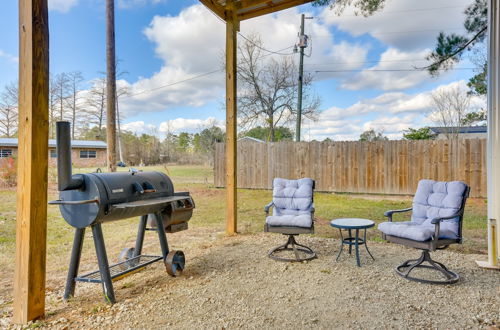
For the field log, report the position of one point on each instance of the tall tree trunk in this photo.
(73, 119)
(61, 102)
(111, 84)
(271, 126)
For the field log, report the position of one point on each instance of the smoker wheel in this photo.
(175, 262)
(126, 254)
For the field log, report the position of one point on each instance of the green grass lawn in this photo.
(210, 212)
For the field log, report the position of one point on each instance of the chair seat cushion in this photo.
(417, 232)
(301, 220)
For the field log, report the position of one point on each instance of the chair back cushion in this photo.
(292, 197)
(435, 199)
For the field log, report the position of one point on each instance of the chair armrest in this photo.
(389, 214)
(267, 207)
(438, 220)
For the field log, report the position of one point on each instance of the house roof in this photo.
(459, 130)
(249, 138)
(12, 142)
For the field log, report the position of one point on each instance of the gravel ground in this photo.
(230, 283)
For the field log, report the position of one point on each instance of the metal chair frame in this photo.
(291, 232)
(431, 245)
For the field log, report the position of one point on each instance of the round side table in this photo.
(350, 224)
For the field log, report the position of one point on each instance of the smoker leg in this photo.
(74, 264)
(140, 235)
(174, 260)
(102, 260)
(161, 235)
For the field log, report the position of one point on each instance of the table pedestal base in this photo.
(356, 241)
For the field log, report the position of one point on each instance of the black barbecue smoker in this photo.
(88, 200)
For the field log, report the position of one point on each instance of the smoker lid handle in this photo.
(61, 202)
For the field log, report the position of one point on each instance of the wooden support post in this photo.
(231, 114)
(493, 158)
(31, 220)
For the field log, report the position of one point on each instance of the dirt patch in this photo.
(229, 283)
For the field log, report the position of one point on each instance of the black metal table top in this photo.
(352, 223)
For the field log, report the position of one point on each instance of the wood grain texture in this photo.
(231, 115)
(110, 85)
(31, 208)
(385, 167)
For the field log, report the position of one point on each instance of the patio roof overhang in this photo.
(246, 9)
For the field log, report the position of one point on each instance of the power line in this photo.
(277, 52)
(172, 84)
(386, 70)
(405, 11)
(368, 62)
(184, 80)
(398, 32)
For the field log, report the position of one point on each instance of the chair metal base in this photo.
(295, 247)
(450, 276)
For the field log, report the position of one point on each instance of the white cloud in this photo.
(128, 4)
(173, 126)
(323, 51)
(139, 127)
(62, 6)
(388, 74)
(193, 43)
(9, 57)
(405, 25)
(188, 125)
(389, 112)
(190, 45)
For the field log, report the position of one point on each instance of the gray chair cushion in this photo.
(417, 232)
(302, 220)
(292, 197)
(293, 203)
(435, 199)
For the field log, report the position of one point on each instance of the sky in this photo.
(170, 53)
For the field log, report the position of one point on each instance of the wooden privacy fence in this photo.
(385, 167)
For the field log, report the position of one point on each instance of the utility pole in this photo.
(111, 85)
(302, 45)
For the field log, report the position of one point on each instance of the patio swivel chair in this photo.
(293, 214)
(436, 223)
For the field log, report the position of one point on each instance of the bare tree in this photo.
(121, 91)
(61, 91)
(9, 110)
(53, 107)
(96, 103)
(267, 92)
(75, 78)
(451, 107)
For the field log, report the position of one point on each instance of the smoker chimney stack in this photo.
(65, 180)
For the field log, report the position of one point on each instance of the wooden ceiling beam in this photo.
(271, 8)
(215, 7)
(247, 4)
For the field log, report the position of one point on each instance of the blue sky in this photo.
(355, 61)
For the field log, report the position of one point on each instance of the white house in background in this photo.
(468, 132)
(250, 139)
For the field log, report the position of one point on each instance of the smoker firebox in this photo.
(88, 200)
